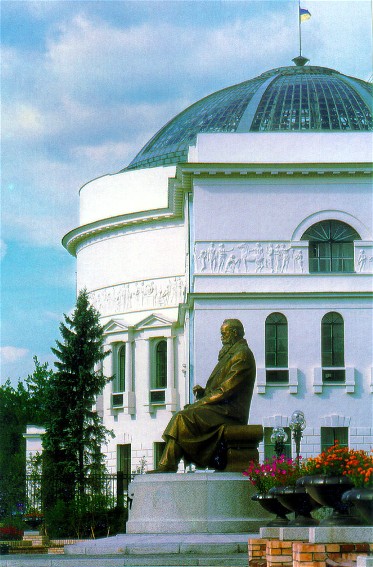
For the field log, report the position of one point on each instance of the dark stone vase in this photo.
(33, 522)
(296, 499)
(328, 491)
(270, 503)
(362, 499)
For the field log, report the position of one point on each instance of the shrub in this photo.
(10, 532)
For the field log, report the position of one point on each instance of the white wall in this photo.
(134, 255)
(125, 193)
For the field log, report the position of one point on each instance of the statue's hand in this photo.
(198, 391)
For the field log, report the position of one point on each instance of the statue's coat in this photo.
(199, 427)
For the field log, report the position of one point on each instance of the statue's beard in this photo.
(225, 348)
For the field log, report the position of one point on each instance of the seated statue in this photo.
(195, 433)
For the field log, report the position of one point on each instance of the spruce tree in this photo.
(74, 430)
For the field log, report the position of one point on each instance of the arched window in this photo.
(161, 365)
(276, 348)
(332, 348)
(331, 246)
(159, 372)
(121, 378)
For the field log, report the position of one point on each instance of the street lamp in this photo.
(297, 425)
(279, 438)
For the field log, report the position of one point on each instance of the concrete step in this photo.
(197, 544)
(179, 560)
(187, 560)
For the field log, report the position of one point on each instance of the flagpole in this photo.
(300, 60)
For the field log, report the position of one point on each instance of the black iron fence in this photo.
(109, 490)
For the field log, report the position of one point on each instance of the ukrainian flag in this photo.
(304, 14)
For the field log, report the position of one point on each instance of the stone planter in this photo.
(362, 499)
(270, 503)
(296, 499)
(328, 491)
(33, 522)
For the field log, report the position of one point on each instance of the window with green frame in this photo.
(332, 348)
(329, 436)
(158, 448)
(269, 446)
(276, 348)
(159, 372)
(124, 463)
(120, 382)
(331, 246)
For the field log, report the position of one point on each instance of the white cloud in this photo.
(12, 354)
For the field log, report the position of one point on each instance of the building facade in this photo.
(254, 203)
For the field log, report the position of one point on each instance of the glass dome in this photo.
(296, 99)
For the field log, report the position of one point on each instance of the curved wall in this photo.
(125, 193)
(156, 251)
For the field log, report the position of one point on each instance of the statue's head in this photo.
(231, 331)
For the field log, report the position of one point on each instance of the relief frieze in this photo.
(248, 257)
(140, 295)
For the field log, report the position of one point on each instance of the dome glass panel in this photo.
(311, 101)
(281, 100)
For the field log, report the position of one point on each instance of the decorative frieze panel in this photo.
(363, 260)
(251, 257)
(139, 296)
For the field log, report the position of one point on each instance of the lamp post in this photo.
(297, 425)
(279, 438)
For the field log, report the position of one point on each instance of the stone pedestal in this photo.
(200, 502)
(242, 445)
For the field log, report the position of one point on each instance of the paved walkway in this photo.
(236, 560)
(145, 550)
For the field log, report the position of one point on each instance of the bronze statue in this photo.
(195, 432)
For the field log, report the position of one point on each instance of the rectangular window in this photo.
(124, 463)
(329, 436)
(269, 446)
(158, 448)
(331, 375)
(117, 400)
(277, 376)
(157, 396)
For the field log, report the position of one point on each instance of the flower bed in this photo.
(278, 471)
(10, 533)
(337, 460)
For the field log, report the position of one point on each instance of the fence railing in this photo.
(111, 488)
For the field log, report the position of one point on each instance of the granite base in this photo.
(202, 502)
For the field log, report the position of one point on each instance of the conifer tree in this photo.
(74, 430)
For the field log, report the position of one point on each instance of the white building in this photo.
(254, 203)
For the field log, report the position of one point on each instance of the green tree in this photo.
(74, 430)
(13, 419)
(38, 387)
(19, 406)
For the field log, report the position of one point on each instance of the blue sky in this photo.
(86, 84)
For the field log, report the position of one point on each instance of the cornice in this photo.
(193, 296)
(73, 239)
(183, 182)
